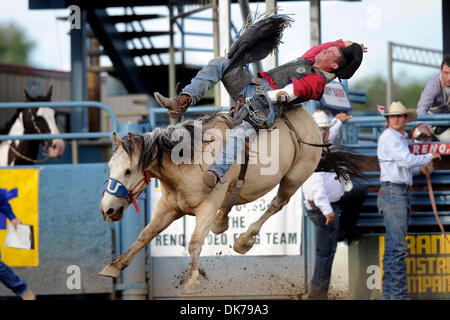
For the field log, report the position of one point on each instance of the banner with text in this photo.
(22, 186)
(280, 235)
(427, 147)
(427, 264)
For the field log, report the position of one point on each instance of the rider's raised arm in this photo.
(311, 53)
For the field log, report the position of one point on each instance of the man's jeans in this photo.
(238, 82)
(326, 243)
(11, 280)
(394, 204)
(234, 145)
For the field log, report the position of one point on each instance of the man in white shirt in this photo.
(397, 167)
(322, 193)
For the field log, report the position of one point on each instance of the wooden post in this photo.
(94, 89)
(224, 43)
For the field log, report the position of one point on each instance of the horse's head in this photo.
(423, 133)
(127, 179)
(43, 121)
(47, 97)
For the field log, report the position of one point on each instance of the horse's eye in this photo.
(128, 171)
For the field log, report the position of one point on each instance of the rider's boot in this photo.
(177, 106)
(210, 179)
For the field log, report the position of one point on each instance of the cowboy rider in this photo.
(294, 82)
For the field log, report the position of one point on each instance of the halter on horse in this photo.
(30, 121)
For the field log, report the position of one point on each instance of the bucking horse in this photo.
(297, 153)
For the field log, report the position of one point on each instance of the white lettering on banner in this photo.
(334, 94)
(280, 235)
(424, 148)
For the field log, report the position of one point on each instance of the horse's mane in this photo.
(9, 124)
(154, 144)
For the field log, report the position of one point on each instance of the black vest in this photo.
(296, 69)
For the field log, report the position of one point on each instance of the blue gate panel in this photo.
(72, 233)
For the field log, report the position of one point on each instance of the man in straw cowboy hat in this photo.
(397, 167)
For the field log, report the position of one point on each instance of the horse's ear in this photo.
(131, 137)
(28, 97)
(48, 96)
(117, 141)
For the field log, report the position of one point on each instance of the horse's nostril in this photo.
(110, 212)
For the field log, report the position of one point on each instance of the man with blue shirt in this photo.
(7, 275)
(435, 99)
(397, 168)
(437, 91)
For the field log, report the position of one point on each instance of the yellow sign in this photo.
(25, 207)
(427, 265)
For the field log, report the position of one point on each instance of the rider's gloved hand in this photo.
(282, 96)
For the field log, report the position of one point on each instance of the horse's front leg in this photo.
(163, 217)
(203, 224)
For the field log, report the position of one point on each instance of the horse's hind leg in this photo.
(221, 221)
(162, 219)
(203, 224)
(246, 240)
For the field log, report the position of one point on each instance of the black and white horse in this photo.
(29, 121)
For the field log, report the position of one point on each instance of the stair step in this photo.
(100, 69)
(127, 35)
(156, 76)
(135, 17)
(146, 51)
(95, 52)
(165, 67)
(149, 51)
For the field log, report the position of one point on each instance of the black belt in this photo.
(387, 183)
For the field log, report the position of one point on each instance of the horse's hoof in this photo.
(242, 246)
(191, 287)
(220, 227)
(110, 271)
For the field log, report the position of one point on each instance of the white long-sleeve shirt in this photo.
(397, 163)
(322, 187)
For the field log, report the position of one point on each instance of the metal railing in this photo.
(411, 55)
(421, 215)
(73, 136)
(352, 128)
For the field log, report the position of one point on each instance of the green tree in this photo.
(408, 92)
(375, 88)
(15, 48)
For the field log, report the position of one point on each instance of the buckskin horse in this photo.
(138, 158)
(30, 121)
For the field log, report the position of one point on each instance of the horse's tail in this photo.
(345, 162)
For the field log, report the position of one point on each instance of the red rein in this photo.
(135, 194)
